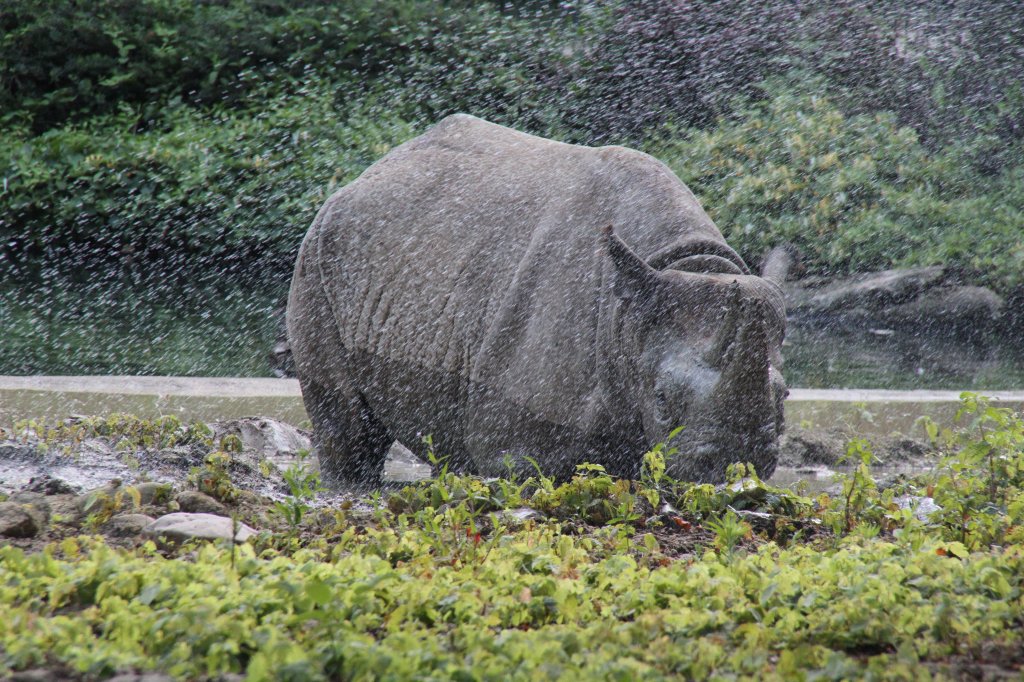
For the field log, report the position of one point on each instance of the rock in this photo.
(16, 521)
(154, 493)
(401, 464)
(182, 526)
(872, 291)
(918, 300)
(902, 448)
(196, 502)
(16, 451)
(799, 447)
(91, 500)
(48, 485)
(952, 310)
(268, 439)
(38, 675)
(35, 504)
(517, 517)
(127, 525)
(923, 507)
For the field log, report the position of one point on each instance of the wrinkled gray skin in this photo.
(463, 287)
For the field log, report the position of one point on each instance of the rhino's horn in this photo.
(723, 344)
(746, 367)
(633, 276)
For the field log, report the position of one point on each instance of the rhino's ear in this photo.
(633, 277)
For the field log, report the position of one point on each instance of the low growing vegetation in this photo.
(462, 578)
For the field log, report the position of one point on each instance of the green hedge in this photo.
(170, 133)
(223, 188)
(229, 188)
(854, 193)
(65, 60)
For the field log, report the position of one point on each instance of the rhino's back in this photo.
(473, 250)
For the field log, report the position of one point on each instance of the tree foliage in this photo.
(167, 132)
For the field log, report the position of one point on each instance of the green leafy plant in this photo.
(859, 496)
(592, 496)
(102, 504)
(124, 431)
(303, 485)
(433, 583)
(852, 192)
(729, 530)
(214, 477)
(978, 486)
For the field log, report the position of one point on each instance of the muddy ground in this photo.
(66, 480)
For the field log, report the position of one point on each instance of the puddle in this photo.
(814, 480)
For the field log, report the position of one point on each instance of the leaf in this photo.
(957, 549)
(681, 523)
(318, 591)
(149, 593)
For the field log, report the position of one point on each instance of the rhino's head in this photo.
(701, 350)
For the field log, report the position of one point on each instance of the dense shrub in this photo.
(852, 192)
(223, 188)
(499, 67)
(70, 59)
(653, 60)
(230, 188)
(948, 69)
(178, 133)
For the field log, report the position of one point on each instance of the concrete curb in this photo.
(867, 411)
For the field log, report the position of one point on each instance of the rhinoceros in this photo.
(467, 286)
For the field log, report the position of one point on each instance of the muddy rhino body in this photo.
(462, 287)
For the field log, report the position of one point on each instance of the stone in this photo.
(90, 500)
(268, 439)
(36, 503)
(154, 493)
(923, 507)
(38, 675)
(127, 525)
(953, 310)
(402, 465)
(16, 521)
(799, 447)
(182, 526)
(48, 485)
(914, 300)
(518, 517)
(874, 290)
(194, 501)
(64, 507)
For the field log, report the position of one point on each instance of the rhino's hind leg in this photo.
(352, 444)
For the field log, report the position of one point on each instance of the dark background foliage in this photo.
(176, 138)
